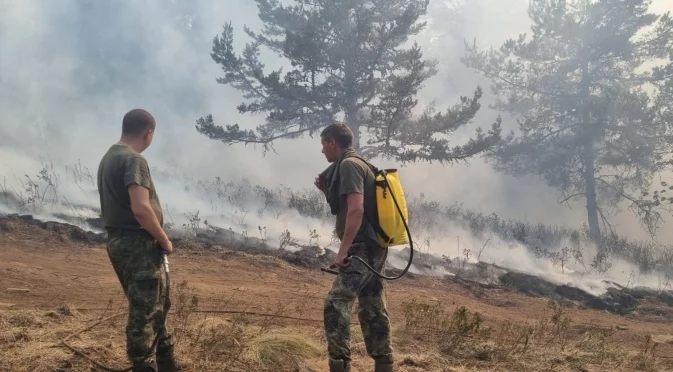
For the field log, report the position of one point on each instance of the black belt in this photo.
(129, 232)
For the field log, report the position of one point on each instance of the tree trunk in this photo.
(354, 125)
(351, 104)
(351, 109)
(589, 160)
(590, 188)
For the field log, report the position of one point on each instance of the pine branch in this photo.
(649, 217)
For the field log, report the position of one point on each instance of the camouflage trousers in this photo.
(353, 281)
(136, 259)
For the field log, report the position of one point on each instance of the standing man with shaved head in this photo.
(133, 218)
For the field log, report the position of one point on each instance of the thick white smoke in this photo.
(64, 89)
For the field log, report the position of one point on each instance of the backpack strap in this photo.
(375, 170)
(374, 224)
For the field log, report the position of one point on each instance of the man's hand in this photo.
(341, 259)
(142, 210)
(320, 183)
(353, 221)
(167, 246)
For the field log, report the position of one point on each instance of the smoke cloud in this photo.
(71, 69)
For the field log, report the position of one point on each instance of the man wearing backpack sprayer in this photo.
(348, 187)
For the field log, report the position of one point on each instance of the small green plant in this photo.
(647, 359)
(458, 263)
(578, 256)
(560, 322)
(663, 283)
(309, 203)
(193, 225)
(262, 234)
(240, 216)
(596, 341)
(80, 173)
(601, 262)
(5, 190)
(314, 238)
(51, 180)
(246, 238)
(631, 281)
(186, 305)
(431, 321)
(286, 239)
(560, 259)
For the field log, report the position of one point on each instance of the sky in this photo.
(57, 107)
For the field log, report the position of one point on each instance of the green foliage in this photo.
(349, 60)
(433, 323)
(581, 87)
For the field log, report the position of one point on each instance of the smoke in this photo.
(466, 248)
(71, 69)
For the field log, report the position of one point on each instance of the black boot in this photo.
(339, 365)
(383, 367)
(167, 363)
(147, 366)
(383, 363)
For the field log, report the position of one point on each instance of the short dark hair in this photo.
(137, 121)
(340, 132)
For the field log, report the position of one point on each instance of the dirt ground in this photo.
(57, 271)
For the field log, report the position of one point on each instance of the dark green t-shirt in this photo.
(354, 176)
(120, 167)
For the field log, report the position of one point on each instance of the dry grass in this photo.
(282, 349)
(432, 337)
(27, 340)
(30, 341)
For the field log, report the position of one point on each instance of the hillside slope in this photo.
(56, 279)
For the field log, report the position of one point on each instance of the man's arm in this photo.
(352, 184)
(142, 210)
(138, 182)
(356, 209)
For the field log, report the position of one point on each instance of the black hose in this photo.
(411, 244)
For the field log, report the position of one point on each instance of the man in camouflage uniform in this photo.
(348, 186)
(133, 218)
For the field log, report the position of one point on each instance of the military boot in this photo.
(379, 367)
(146, 366)
(167, 363)
(172, 365)
(339, 365)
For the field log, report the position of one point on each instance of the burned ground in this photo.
(617, 300)
(440, 323)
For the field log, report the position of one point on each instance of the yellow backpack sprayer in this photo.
(390, 217)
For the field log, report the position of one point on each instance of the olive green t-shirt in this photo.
(354, 176)
(120, 167)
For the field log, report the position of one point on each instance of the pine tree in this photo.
(349, 61)
(586, 90)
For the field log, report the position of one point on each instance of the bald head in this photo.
(137, 122)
